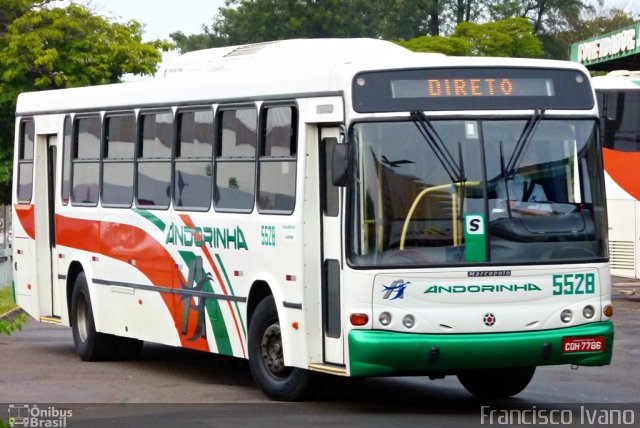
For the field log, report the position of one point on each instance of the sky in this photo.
(161, 17)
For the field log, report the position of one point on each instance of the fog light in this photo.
(408, 321)
(385, 318)
(566, 316)
(588, 312)
(608, 311)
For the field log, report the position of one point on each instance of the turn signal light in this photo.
(608, 311)
(359, 319)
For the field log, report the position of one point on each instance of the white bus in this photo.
(618, 96)
(322, 207)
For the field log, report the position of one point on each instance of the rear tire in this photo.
(266, 361)
(496, 383)
(90, 345)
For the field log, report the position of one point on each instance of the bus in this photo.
(618, 95)
(322, 207)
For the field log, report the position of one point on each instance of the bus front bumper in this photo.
(380, 353)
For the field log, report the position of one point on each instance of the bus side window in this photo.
(277, 164)
(66, 160)
(86, 161)
(193, 181)
(154, 160)
(25, 161)
(235, 159)
(117, 174)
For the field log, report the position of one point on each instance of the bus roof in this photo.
(282, 69)
(618, 79)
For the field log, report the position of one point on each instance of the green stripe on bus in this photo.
(152, 218)
(220, 332)
(226, 277)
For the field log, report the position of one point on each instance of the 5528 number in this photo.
(570, 283)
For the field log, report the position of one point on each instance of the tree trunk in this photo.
(542, 5)
(434, 20)
(460, 9)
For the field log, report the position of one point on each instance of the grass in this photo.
(6, 300)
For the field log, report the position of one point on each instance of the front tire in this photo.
(496, 383)
(90, 345)
(266, 361)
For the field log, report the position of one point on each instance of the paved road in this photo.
(39, 365)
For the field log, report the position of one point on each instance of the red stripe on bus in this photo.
(618, 166)
(26, 217)
(188, 222)
(125, 242)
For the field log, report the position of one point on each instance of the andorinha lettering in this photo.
(212, 237)
(469, 87)
(499, 288)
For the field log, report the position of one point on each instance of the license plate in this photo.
(582, 344)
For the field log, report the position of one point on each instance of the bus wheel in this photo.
(266, 361)
(496, 383)
(90, 345)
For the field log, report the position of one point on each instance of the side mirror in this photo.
(341, 164)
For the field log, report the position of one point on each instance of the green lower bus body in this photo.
(384, 353)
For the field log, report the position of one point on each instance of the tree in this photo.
(511, 37)
(546, 16)
(591, 23)
(447, 45)
(253, 21)
(44, 48)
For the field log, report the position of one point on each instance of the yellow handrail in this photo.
(416, 201)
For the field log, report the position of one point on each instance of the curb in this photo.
(12, 314)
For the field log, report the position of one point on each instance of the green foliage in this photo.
(7, 326)
(511, 37)
(594, 24)
(253, 21)
(7, 302)
(554, 22)
(447, 45)
(45, 48)
(507, 38)
(66, 47)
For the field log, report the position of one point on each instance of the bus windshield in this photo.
(443, 191)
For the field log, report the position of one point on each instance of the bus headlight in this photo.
(588, 312)
(385, 318)
(408, 321)
(566, 316)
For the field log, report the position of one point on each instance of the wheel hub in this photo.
(271, 351)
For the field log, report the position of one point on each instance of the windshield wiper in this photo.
(521, 145)
(430, 135)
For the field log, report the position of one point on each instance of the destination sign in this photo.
(471, 89)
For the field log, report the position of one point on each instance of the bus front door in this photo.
(332, 293)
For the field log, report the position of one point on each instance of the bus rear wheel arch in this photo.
(89, 343)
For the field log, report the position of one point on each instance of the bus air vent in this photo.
(621, 254)
(248, 49)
